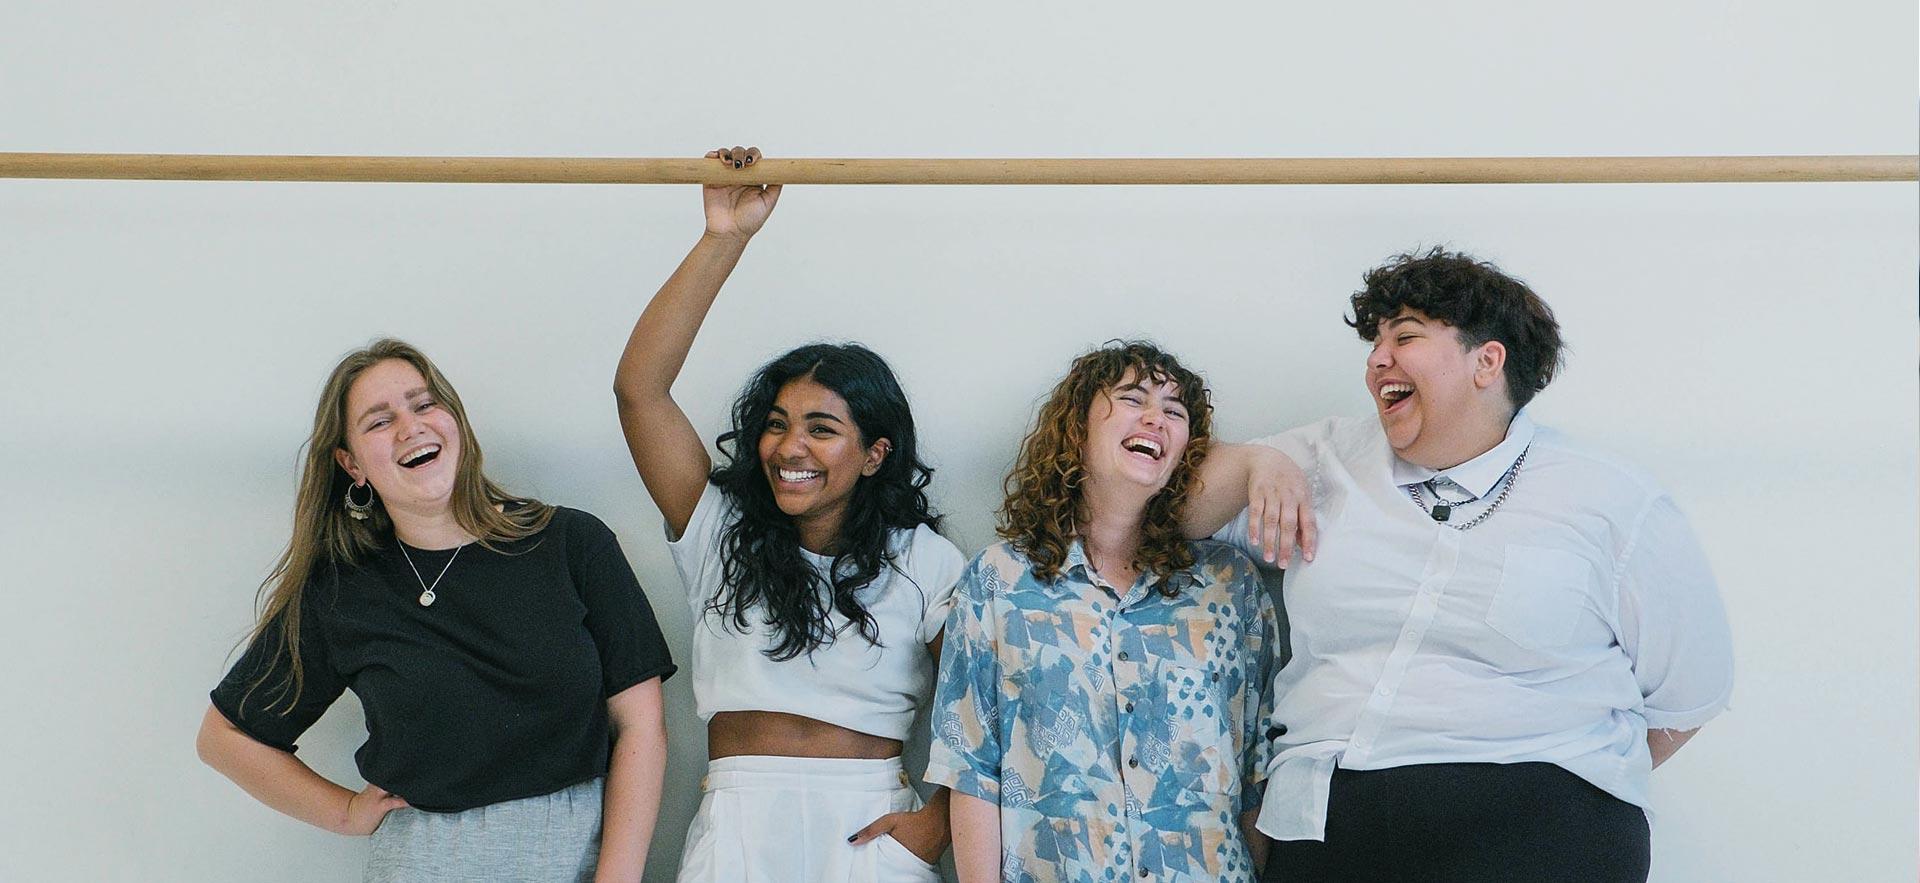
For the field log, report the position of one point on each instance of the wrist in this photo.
(341, 815)
(735, 241)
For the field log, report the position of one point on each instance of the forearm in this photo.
(976, 838)
(1222, 493)
(662, 337)
(1665, 743)
(631, 803)
(272, 776)
(940, 807)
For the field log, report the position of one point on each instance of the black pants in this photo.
(1467, 822)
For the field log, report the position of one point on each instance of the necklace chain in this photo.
(427, 597)
(1509, 479)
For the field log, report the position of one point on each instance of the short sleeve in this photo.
(937, 565)
(1295, 443)
(696, 552)
(964, 753)
(256, 695)
(1672, 624)
(625, 633)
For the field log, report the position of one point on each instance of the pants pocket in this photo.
(895, 863)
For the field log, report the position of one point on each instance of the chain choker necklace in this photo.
(427, 597)
(1441, 510)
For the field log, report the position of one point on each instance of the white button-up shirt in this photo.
(1578, 615)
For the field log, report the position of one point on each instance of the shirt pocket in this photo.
(1541, 594)
(1199, 735)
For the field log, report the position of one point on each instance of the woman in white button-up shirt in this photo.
(1501, 632)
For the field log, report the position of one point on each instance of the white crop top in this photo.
(848, 683)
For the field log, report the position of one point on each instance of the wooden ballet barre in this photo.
(588, 170)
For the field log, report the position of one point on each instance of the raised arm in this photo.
(1269, 487)
(665, 447)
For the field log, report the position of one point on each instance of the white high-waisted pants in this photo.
(787, 820)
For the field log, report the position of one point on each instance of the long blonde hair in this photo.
(323, 533)
(1042, 509)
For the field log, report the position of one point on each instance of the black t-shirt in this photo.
(496, 692)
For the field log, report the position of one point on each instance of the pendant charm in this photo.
(1441, 511)
(427, 598)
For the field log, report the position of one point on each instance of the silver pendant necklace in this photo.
(1441, 510)
(427, 597)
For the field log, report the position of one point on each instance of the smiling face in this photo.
(399, 439)
(1437, 398)
(1136, 433)
(813, 456)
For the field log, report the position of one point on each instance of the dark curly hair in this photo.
(1042, 507)
(1473, 296)
(763, 564)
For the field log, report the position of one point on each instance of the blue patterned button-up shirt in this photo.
(1121, 733)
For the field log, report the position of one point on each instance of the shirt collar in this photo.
(1480, 474)
(1128, 595)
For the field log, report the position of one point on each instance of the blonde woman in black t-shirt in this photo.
(507, 661)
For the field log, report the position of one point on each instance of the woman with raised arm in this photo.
(1102, 701)
(816, 577)
(507, 661)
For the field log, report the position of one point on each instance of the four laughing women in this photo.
(1495, 632)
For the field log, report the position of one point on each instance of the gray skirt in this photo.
(553, 838)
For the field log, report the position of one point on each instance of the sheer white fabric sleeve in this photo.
(1672, 623)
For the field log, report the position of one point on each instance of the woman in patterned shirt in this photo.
(1103, 691)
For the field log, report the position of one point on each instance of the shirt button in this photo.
(1385, 691)
(1216, 677)
(1133, 761)
(1123, 656)
(1143, 872)
(1129, 708)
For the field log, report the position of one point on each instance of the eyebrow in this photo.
(1392, 323)
(812, 415)
(412, 394)
(1173, 396)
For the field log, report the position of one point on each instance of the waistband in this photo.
(804, 773)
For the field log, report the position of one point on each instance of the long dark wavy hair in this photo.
(1042, 511)
(764, 568)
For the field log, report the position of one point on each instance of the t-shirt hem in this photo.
(541, 791)
(233, 718)
(663, 672)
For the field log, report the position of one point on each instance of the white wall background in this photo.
(162, 343)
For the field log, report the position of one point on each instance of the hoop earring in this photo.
(356, 510)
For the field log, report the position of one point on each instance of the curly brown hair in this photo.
(1043, 490)
(1474, 297)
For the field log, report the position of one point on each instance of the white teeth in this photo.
(1394, 392)
(1143, 445)
(796, 475)
(411, 456)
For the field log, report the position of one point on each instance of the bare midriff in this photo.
(736, 733)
